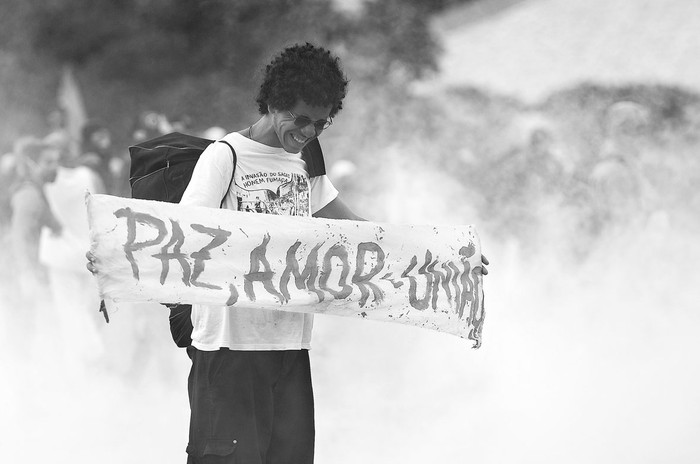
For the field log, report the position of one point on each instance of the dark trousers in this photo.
(250, 407)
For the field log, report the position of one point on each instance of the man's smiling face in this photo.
(292, 136)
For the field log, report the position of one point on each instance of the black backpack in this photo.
(161, 169)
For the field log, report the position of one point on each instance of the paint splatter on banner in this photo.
(426, 276)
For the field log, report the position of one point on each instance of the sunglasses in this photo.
(303, 121)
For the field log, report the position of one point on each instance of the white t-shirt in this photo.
(66, 198)
(266, 180)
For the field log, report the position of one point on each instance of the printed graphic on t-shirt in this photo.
(273, 193)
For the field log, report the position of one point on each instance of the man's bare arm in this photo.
(336, 209)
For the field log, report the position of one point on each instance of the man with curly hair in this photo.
(250, 387)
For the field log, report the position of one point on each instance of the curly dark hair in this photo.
(303, 72)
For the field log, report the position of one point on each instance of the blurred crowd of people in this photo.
(625, 177)
(44, 226)
(45, 234)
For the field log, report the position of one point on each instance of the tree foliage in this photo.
(193, 56)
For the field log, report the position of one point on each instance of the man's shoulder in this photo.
(232, 137)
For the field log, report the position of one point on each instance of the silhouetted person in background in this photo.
(36, 164)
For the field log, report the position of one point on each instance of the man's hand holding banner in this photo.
(427, 276)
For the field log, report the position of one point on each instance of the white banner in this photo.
(427, 276)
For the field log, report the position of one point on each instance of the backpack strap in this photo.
(313, 157)
(233, 152)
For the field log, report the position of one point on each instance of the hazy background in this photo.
(567, 131)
